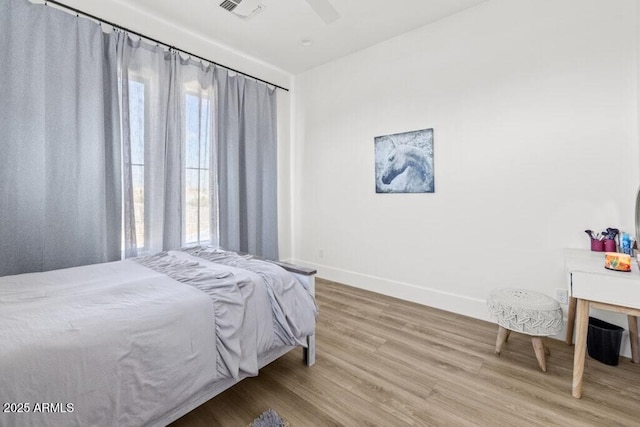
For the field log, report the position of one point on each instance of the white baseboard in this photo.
(460, 304)
(455, 303)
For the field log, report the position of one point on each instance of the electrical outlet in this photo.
(562, 295)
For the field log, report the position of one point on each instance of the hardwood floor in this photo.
(387, 362)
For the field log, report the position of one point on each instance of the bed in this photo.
(144, 341)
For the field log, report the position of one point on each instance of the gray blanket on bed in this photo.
(294, 309)
(243, 330)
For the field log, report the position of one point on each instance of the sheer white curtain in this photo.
(152, 149)
(201, 182)
(60, 200)
(169, 149)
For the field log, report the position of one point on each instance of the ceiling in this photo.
(274, 35)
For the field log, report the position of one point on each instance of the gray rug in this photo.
(269, 418)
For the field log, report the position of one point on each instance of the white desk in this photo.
(592, 285)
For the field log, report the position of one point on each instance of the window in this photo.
(137, 135)
(149, 168)
(197, 194)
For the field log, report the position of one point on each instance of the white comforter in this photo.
(102, 343)
(120, 344)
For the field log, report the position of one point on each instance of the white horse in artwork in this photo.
(407, 168)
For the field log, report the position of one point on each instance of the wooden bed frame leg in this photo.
(309, 353)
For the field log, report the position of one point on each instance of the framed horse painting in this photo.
(404, 162)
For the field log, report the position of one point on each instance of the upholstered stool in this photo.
(528, 312)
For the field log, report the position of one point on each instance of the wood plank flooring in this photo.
(387, 362)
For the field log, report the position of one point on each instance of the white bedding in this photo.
(136, 329)
(120, 344)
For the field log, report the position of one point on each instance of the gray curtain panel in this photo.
(60, 197)
(247, 165)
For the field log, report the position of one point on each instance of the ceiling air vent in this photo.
(242, 8)
(230, 4)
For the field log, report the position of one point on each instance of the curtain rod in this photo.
(104, 21)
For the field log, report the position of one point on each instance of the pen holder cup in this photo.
(609, 245)
(597, 245)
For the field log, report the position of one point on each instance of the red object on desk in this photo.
(597, 245)
(609, 245)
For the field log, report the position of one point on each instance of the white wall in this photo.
(534, 110)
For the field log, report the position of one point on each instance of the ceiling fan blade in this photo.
(325, 10)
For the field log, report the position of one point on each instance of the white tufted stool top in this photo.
(525, 311)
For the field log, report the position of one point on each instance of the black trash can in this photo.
(603, 341)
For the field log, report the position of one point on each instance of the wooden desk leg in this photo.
(582, 318)
(571, 320)
(633, 338)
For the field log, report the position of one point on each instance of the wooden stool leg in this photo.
(538, 347)
(503, 334)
